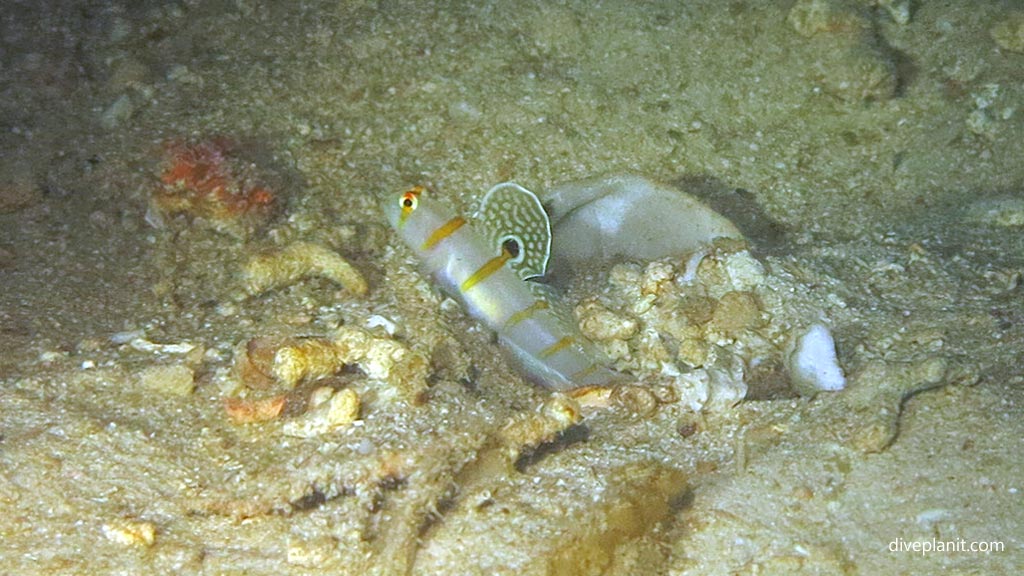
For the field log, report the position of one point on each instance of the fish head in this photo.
(398, 208)
(415, 216)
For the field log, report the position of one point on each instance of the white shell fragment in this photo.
(386, 323)
(626, 216)
(143, 345)
(812, 363)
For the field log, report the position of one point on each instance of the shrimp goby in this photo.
(487, 265)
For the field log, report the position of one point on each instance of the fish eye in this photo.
(409, 200)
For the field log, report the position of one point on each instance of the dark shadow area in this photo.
(573, 435)
(738, 205)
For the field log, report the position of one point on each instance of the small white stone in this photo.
(118, 112)
(143, 345)
(126, 336)
(929, 517)
(813, 365)
(385, 323)
(51, 356)
(693, 389)
(130, 533)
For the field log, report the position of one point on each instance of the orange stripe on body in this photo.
(444, 231)
(556, 347)
(582, 375)
(525, 313)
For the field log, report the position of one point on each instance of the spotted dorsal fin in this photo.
(514, 220)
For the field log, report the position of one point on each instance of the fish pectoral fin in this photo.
(557, 305)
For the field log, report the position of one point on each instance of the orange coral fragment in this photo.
(247, 411)
(208, 180)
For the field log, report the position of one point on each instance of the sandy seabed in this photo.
(870, 151)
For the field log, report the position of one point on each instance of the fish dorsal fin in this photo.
(514, 220)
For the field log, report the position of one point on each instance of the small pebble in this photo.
(1008, 33)
(117, 113)
(338, 411)
(1005, 212)
(7, 258)
(174, 379)
(248, 411)
(130, 533)
(18, 189)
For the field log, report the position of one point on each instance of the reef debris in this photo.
(170, 379)
(301, 260)
(18, 188)
(253, 410)
(853, 62)
(664, 321)
(310, 359)
(1008, 32)
(328, 411)
(522, 434)
(290, 361)
(1002, 212)
(130, 532)
(208, 181)
(704, 329)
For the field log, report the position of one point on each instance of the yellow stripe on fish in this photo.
(525, 313)
(486, 270)
(446, 230)
(582, 375)
(557, 347)
(492, 266)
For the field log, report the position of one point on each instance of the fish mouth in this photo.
(388, 204)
